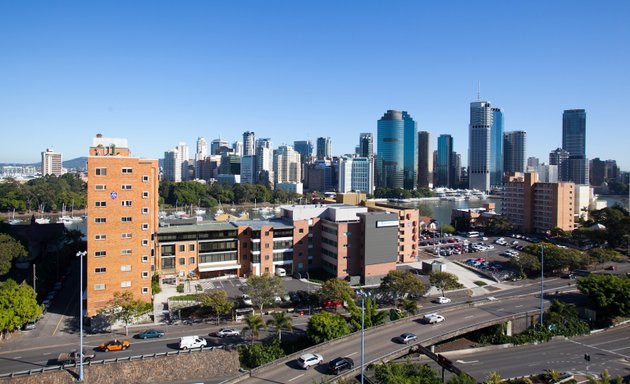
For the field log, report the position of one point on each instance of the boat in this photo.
(42, 219)
(13, 220)
(200, 211)
(68, 220)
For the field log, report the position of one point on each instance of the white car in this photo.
(309, 359)
(442, 300)
(433, 318)
(246, 300)
(228, 332)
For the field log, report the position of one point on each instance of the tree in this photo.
(325, 326)
(279, 321)
(124, 307)
(608, 294)
(493, 378)
(444, 281)
(255, 355)
(602, 255)
(409, 306)
(217, 302)
(255, 324)
(462, 378)
(10, 248)
(263, 289)
(406, 373)
(18, 305)
(400, 284)
(447, 228)
(371, 315)
(335, 289)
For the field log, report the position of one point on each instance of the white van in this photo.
(281, 272)
(189, 342)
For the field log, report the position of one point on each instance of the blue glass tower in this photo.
(410, 152)
(496, 148)
(390, 150)
(444, 161)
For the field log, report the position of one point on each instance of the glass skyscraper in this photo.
(444, 166)
(410, 152)
(496, 148)
(514, 146)
(366, 145)
(396, 150)
(425, 160)
(481, 117)
(574, 142)
(305, 149)
(324, 148)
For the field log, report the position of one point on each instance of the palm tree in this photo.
(493, 378)
(254, 324)
(279, 321)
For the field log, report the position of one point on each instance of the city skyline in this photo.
(294, 72)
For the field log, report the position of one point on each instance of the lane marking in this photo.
(601, 349)
(469, 317)
(353, 353)
(296, 377)
(467, 362)
(17, 357)
(518, 306)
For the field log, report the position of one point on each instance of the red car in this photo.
(330, 304)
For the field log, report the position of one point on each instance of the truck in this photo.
(72, 357)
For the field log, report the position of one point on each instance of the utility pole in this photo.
(34, 278)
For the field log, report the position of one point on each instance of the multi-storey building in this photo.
(287, 166)
(264, 162)
(532, 206)
(51, 163)
(305, 149)
(444, 164)
(479, 145)
(324, 148)
(514, 144)
(425, 160)
(249, 143)
(560, 158)
(356, 174)
(497, 149)
(366, 145)
(574, 142)
(122, 209)
(408, 230)
(397, 163)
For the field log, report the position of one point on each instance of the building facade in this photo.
(444, 162)
(514, 151)
(287, 165)
(397, 149)
(52, 163)
(366, 145)
(356, 174)
(425, 160)
(249, 143)
(479, 149)
(574, 142)
(305, 149)
(324, 148)
(497, 149)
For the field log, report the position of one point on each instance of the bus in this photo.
(472, 234)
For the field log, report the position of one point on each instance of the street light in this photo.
(363, 295)
(542, 279)
(80, 255)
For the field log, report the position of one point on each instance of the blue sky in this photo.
(162, 72)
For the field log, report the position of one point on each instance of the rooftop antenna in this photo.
(478, 90)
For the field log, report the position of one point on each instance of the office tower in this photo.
(51, 163)
(514, 144)
(356, 174)
(122, 208)
(574, 142)
(397, 150)
(533, 161)
(496, 149)
(217, 145)
(456, 170)
(184, 159)
(425, 160)
(172, 165)
(366, 145)
(237, 148)
(249, 143)
(305, 149)
(248, 169)
(287, 166)
(534, 206)
(324, 148)
(603, 171)
(479, 150)
(202, 149)
(444, 163)
(560, 157)
(264, 162)
(230, 164)
(318, 176)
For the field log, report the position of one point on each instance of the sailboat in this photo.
(42, 219)
(199, 211)
(13, 220)
(68, 220)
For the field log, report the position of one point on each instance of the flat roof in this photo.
(199, 227)
(258, 224)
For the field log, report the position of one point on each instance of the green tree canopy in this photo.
(444, 281)
(325, 326)
(255, 324)
(371, 315)
(608, 294)
(18, 305)
(557, 259)
(447, 228)
(280, 321)
(217, 302)
(406, 373)
(335, 289)
(124, 307)
(263, 289)
(400, 284)
(10, 249)
(255, 355)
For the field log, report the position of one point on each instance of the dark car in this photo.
(339, 364)
(150, 334)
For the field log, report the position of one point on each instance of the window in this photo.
(125, 235)
(126, 203)
(127, 170)
(100, 171)
(145, 179)
(191, 247)
(100, 220)
(100, 237)
(145, 226)
(145, 290)
(266, 257)
(125, 252)
(145, 211)
(145, 274)
(182, 261)
(125, 219)
(301, 230)
(125, 186)
(99, 287)
(100, 187)
(125, 268)
(145, 259)
(145, 242)
(191, 261)
(125, 284)
(145, 195)
(100, 253)
(100, 203)
(100, 270)
(266, 245)
(182, 248)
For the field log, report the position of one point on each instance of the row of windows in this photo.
(123, 268)
(329, 242)
(123, 284)
(123, 252)
(218, 257)
(329, 230)
(102, 171)
(125, 187)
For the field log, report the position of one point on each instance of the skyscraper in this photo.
(200, 156)
(514, 145)
(249, 143)
(356, 174)
(287, 166)
(574, 142)
(51, 163)
(324, 148)
(481, 118)
(184, 161)
(366, 145)
(305, 149)
(397, 150)
(410, 152)
(496, 149)
(444, 166)
(217, 145)
(264, 162)
(425, 160)
(172, 170)
(560, 158)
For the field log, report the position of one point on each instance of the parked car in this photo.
(227, 332)
(407, 337)
(246, 299)
(29, 326)
(309, 359)
(433, 318)
(611, 268)
(150, 334)
(442, 300)
(335, 366)
(331, 304)
(114, 345)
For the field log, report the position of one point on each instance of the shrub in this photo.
(180, 288)
(480, 283)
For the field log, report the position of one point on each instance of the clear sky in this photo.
(163, 72)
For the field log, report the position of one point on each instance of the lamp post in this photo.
(80, 255)
(363, 295)
(542, 279)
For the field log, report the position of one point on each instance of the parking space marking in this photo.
(296, 377)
